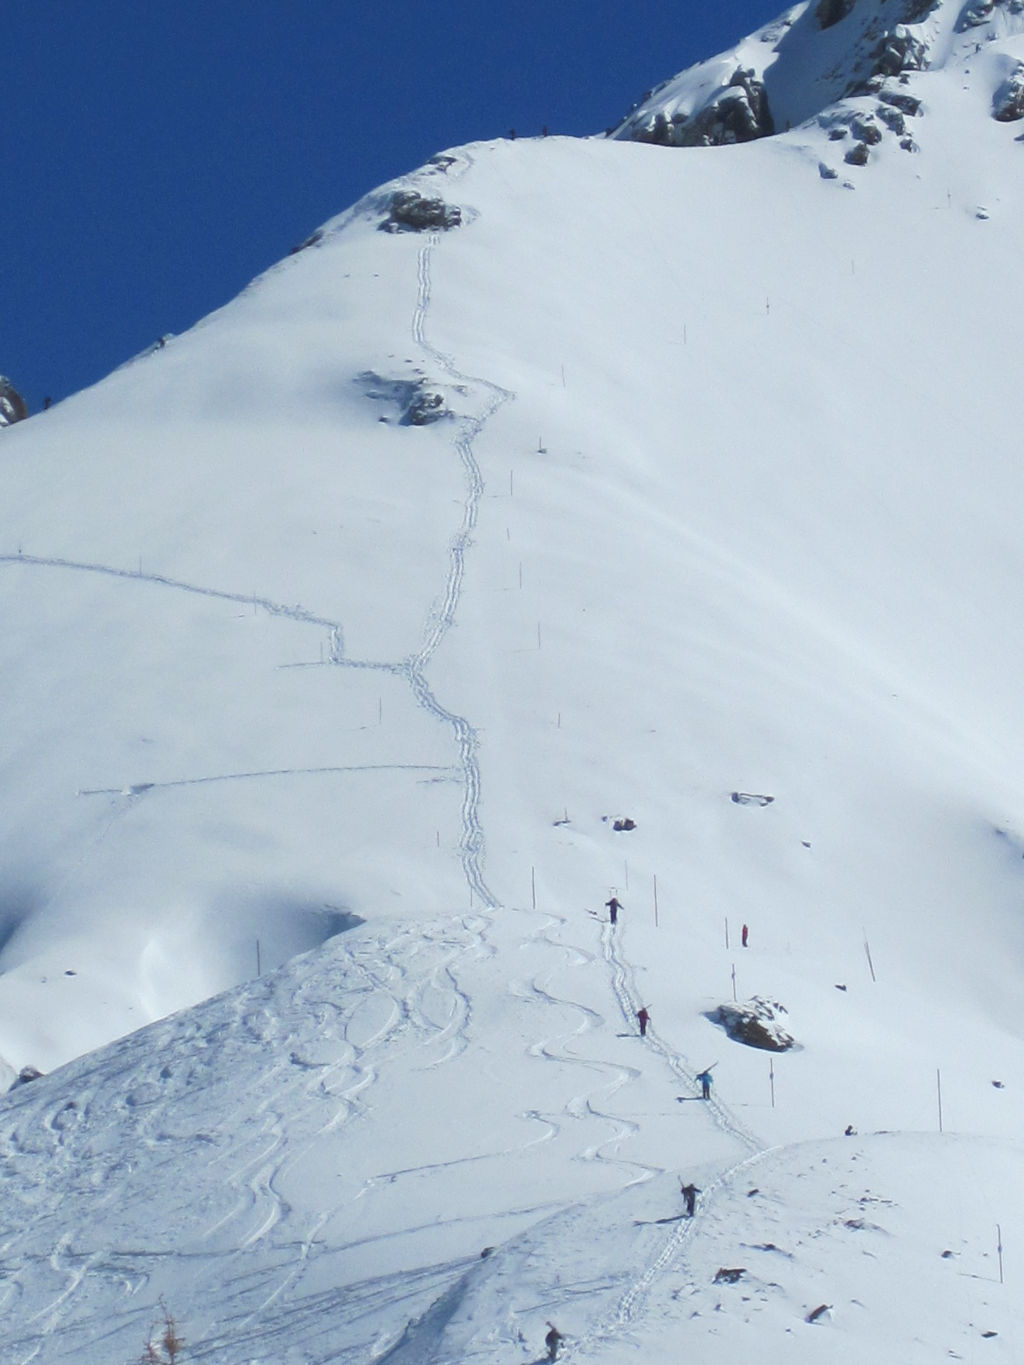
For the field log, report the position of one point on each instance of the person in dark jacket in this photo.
(613, 907)
(643, 1015)
(553, 1340)
(689, 1193)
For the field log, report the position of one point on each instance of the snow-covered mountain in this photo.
(568, 520)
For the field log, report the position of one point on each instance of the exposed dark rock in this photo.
(729, 1276)
(976, 13)
(13, 407)
(418, 401)
(830, 12)
(312, 240)
(899, 99)
(624, 823)
(737, 113)
(827, 172)
(892, 118)
(818, 1312)
(900, 50)
(1008, 101)
(857, 155)
(909, 145)
(755, 1023)
(25, 1075)
(916, 10)
(837, 133)
(863, 126)
(750, 799)
(410, 211)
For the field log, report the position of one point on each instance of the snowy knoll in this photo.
(335, 729)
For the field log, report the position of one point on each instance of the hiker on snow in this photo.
(613, 907)
(705, 1084)
(552, 1341)
(689, 1193)
(644, 1017)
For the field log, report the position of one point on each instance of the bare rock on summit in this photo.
(410, 211)
(13, 407)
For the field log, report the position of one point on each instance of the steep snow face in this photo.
(817, 54)
(568, 521)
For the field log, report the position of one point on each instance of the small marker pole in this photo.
(999, 1250)
(734, 981)
(533, 886)
(771, 1079)
(727, 933)
(867, 950)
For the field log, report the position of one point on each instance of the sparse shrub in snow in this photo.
(168, 1346)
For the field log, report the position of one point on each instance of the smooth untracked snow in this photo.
(728, 503)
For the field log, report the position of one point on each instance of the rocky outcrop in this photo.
(1008, 101)
(899, 51)
(415, 400)
(13, 407)
(737, 113)
(410, 211)
(754, 1022)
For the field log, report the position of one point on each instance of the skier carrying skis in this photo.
(705, 1083)
(689, 1193)
(613, 907)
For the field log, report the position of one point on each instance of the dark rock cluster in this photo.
(410, 211)
(738, 113)
(417, 400)
(754, 1022)
(13, 407)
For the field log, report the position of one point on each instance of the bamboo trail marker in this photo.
(867, 951)
(771, 1079)
(938, 1092)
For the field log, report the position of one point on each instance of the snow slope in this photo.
(726, 502)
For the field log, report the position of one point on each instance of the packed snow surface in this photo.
(651, 532)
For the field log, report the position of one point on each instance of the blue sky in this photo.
(157, 156)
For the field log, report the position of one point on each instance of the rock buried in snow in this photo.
(818, 1312)
(751, 799)
(411, 211)
(754, 1022)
